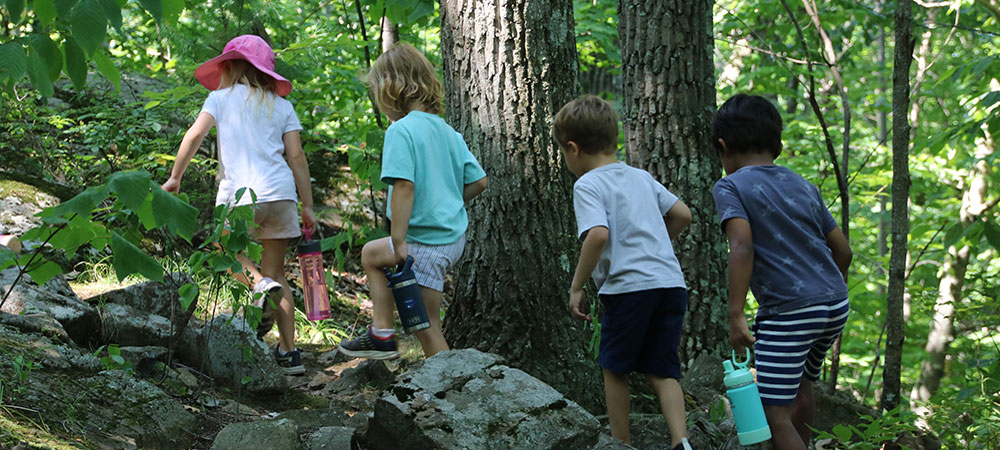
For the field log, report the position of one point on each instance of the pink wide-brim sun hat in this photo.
(248, 47)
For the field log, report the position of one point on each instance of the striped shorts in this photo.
(793, 344)
(432, 262)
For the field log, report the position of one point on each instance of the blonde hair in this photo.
(260, 84)
(401, 77)
(590, 122)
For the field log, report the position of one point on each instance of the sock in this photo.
(283, 353)
(383, 333)
(684, 445)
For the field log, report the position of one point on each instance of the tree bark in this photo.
(900, 205)
(508, 67)
(952, 282)
(668, 100)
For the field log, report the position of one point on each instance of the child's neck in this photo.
(753, 159)
(591, 162)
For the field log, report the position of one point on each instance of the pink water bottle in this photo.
(314, 293)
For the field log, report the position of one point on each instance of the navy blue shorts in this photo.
(641, 331)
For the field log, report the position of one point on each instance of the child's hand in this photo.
(739, 335)
(308, 219)
(172, 185)
(576, 304)
(400, 252)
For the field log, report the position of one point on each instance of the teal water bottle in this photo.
(744, 399)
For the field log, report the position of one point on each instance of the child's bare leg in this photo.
(432, 338)
(248, 267)
(272, 265)
(804, 410)
(374, 256)
(784, 436)
(616, 395)
(668, 390)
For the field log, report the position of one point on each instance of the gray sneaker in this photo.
(291, 362)
(270, 291)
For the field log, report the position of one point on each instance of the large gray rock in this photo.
(331, 438)
(128, 326)
(270, 434)
(228, 350)
(465, 399)
(77, 318)
(154, 297)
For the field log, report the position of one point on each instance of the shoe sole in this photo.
(370, 354)
(296, 370)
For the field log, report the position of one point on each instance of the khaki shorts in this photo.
(276, 220)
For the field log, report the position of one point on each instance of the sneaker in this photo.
(291, 362)
(370, 346)
(271, 296)
(684, 445)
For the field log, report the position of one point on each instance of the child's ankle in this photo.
(382, 333)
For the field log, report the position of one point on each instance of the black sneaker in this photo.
(291, 362)
(271, 294)
(370, 346)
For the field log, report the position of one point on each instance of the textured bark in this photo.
(668, 100)
(508, 68)
(900, 205)
(952, 282)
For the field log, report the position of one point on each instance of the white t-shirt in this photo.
(631, 204)
(250, 145)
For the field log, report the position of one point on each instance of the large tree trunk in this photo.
(952, 282)
(668, 99)
(900, 205)
(509, 66)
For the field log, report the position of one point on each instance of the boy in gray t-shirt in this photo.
(626, 220)
(785, 246)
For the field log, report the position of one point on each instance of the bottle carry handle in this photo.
(745, 362)
(405, 266)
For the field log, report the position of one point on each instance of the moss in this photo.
(24, 192)
(13, 432)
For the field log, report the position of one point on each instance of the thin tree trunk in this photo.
(509, 66)
(389, 35)
(952, 282)
(900, 205)
(668, 98)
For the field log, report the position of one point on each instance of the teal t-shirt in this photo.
(424, 149)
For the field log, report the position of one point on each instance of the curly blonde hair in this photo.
(401, 78)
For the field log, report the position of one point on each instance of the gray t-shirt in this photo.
(792, 267)
(631, 204)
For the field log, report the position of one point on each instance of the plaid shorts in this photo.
(432, 262)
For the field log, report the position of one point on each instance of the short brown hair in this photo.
(402, 76)
(590, 122)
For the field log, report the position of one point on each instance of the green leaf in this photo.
(76, 64)
(83, 204)
(145, 212)
(992, 232)
(89, 25)
(81, 230)
(843, 433)
(132, 187)
(13, 61)
(118, 359)
(44, 272)
(16, 10)
(188, 294)
(49, 52)
(38, 75)
(155, 8)
(64, 8)
(113, 12)
(172, 10)
(45, 12)
(176, 214)
(128, 259)
(108, 69)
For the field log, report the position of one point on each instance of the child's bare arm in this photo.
(842, 254)
(402, 208)
(677, 219)
(474, 188)
(741, 256)
(189, 146)
(300, 171)
(590, 254)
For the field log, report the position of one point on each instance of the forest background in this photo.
(93, 88)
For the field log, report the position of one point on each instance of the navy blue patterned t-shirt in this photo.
(793, 266)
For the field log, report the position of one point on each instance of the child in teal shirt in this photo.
(431, 174)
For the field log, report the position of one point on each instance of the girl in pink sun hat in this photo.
(259, 149)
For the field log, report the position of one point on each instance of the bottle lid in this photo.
(313, 246)
(737, 374)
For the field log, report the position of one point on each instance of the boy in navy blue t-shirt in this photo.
(626, 219)
(784, 246)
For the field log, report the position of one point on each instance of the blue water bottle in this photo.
(406, 292)
(744, 399)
